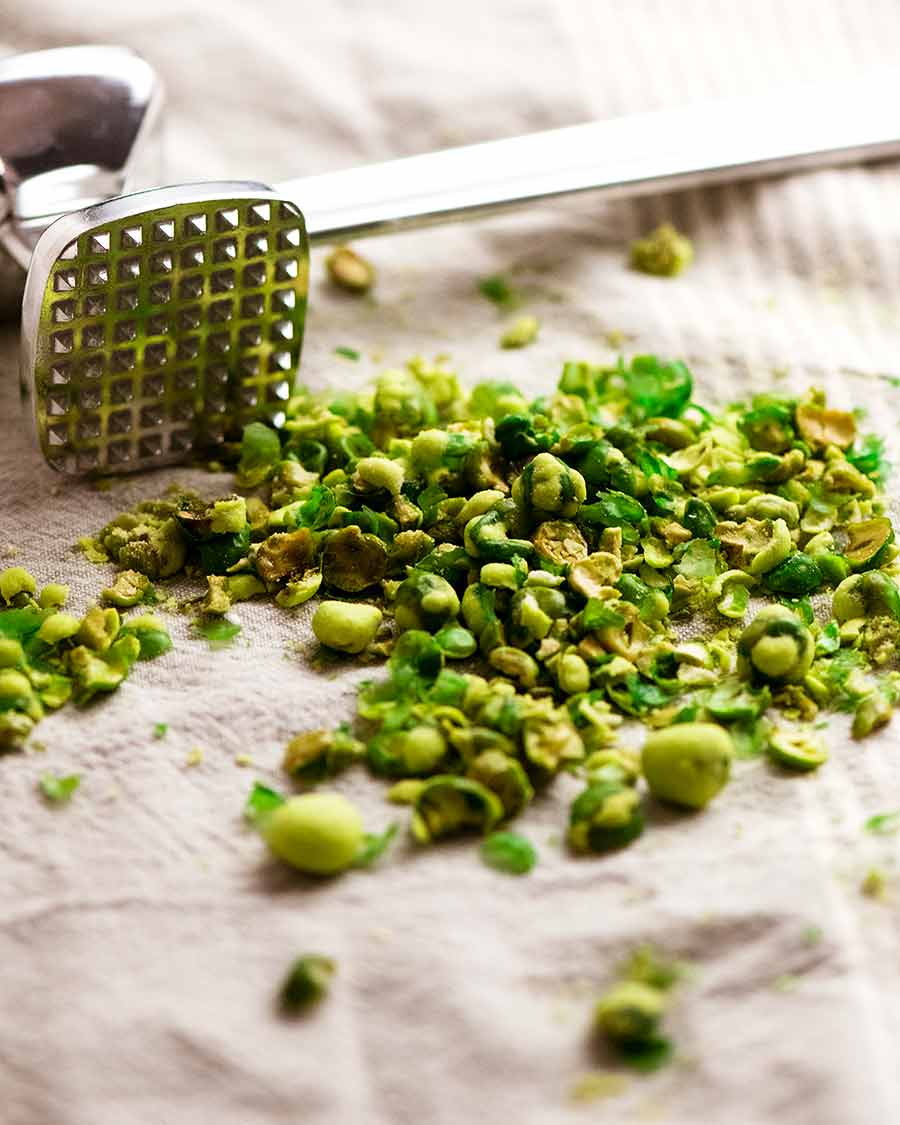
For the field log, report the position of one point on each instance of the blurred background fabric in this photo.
(142, 931)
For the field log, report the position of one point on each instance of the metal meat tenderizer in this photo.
(155, 324)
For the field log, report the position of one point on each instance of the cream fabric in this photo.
(142, 932)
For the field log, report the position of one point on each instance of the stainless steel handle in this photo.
(803, 127)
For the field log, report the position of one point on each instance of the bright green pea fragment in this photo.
(375, 845)
(59, 789)
(318, 833)
(346, 626)
(509, 852)
(160, 730)
(261, 801)
(796, 750)
(306, 983)
(219, 631)
(687, 764)
(884, 824)
(521, 332)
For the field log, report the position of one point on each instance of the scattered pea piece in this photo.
(306, 983)
(349, 270)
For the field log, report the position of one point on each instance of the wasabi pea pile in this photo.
(531, 569)
(48, 656)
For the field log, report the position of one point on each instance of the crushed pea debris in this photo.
(664, 252)
(563, 542)
(49, 657)
(59, 790)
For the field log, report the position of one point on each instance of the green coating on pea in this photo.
(346, 626)
(688, 763)
(548, 486)
(318, 833)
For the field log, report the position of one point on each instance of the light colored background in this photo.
(142, 933)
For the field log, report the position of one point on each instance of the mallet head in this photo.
(155, 325)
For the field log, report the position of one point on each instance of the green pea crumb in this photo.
(59, 790)
(160, 730)
(663, 253)
(349, 270)
(306, 984)
(509, 852)
(875, 884)
(522, 332)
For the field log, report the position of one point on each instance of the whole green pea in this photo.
(319, 833)
(346, 626)
(688, 763)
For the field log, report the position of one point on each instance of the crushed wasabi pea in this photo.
(530, 567)
(522, 332)
(306, 983)
(509, 852)
(349, 270)
(663, 253)
(59, 790)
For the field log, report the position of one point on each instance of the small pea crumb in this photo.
(522, 332)
(499, 291)
(243, 760)
(37, 747)
(874, 885)
(812, 935)
(306, 984)
(59, 790)
(194, 757)
(347, 353)
(597, 1084)
(349, 270)
(160, 730)
(614, 338)
(786, 982)
(663, 253)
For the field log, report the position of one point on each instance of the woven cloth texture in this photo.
(142, 930)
